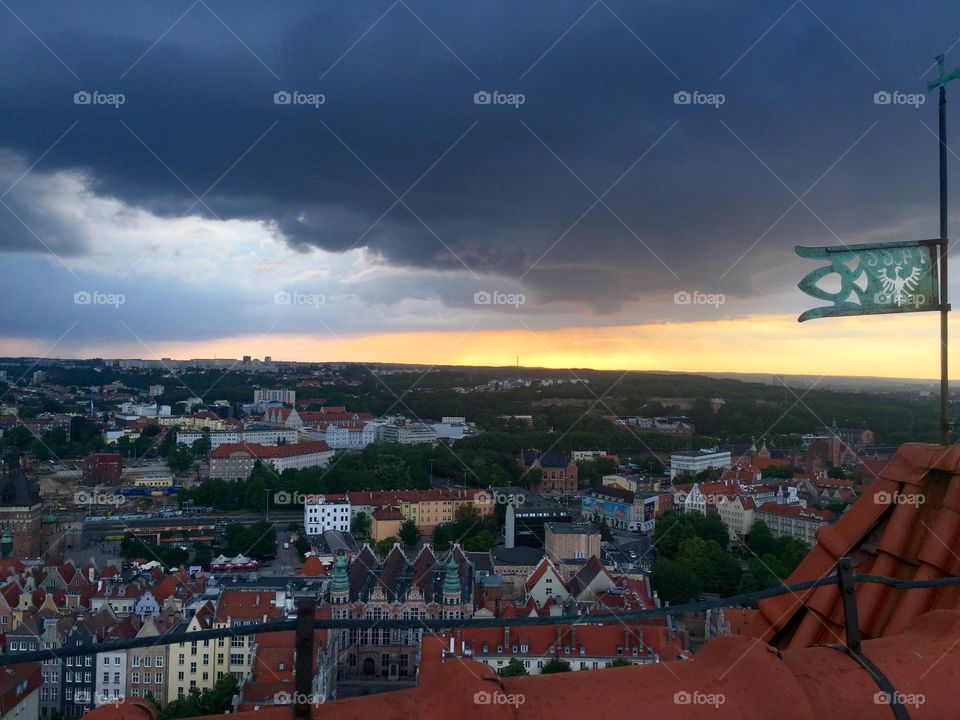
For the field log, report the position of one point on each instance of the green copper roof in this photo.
(451, 580)
(339, 582)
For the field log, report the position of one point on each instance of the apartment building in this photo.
(236, 461)
(793, 521)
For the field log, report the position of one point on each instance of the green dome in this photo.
(49, 519)
(339, 582)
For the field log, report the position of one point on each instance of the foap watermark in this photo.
(915, 300)
(83, 497)
(295, 698)
(698, 298)
(95, 97)
(495, 297)
(495, 97)
(295, 97)
(695, 97)
(485, 697)
(295, 297)
(914, 700)
(895, 97)
(498, 498)
(96, 297)
(683, 697)
(882, 497)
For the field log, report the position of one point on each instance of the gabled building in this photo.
(78, 685)
(546, 583)
(558, 470)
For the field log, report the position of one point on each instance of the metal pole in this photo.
(944, 304)
(848, 596)
(303, 662)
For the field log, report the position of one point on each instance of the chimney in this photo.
(452, 643)
(506, 638)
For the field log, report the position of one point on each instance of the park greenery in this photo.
(694, 558)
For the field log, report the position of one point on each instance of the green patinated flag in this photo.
(873, 279)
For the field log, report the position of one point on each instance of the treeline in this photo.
(377, 467)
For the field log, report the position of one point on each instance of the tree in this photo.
(202, 556)
(555, 665)
(620, 662)
(409, 534)
(760, 539)
(214, 701)
(179, 459)
(674, 581)
(514, 668)
(385, 546)
(360, 525)
(671, 529)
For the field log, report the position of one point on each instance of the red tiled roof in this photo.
(313, 567)
(886, 536)
(269, 451)
(542, 569)
(247, 605)
(387, 513)
(746, 678)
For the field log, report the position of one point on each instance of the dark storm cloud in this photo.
(400, 160)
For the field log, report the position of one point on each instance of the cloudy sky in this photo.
(447, 182)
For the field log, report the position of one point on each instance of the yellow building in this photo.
(195, 664)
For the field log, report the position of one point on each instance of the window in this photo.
(147, 678)
(159, 680)
(236, 658)
(135, 677)
(180, 677)
(88, 661)
(147, 661)
(87, 677)
(193, 667)
(68, 676)
(159, 661)
(116, 660)
(116, 677)
(106, 677)
(136, 660)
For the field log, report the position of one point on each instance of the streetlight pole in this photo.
(267, 491)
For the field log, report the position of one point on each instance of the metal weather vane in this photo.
(896, 277)
(874, 279)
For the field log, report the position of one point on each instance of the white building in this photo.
(696, 461)
(355, 436)
(403, 431)
(143, 409)
(268, 436)
(111, 676)
(288, 397)
(322, 513)
(445, 430)
(588, 454)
